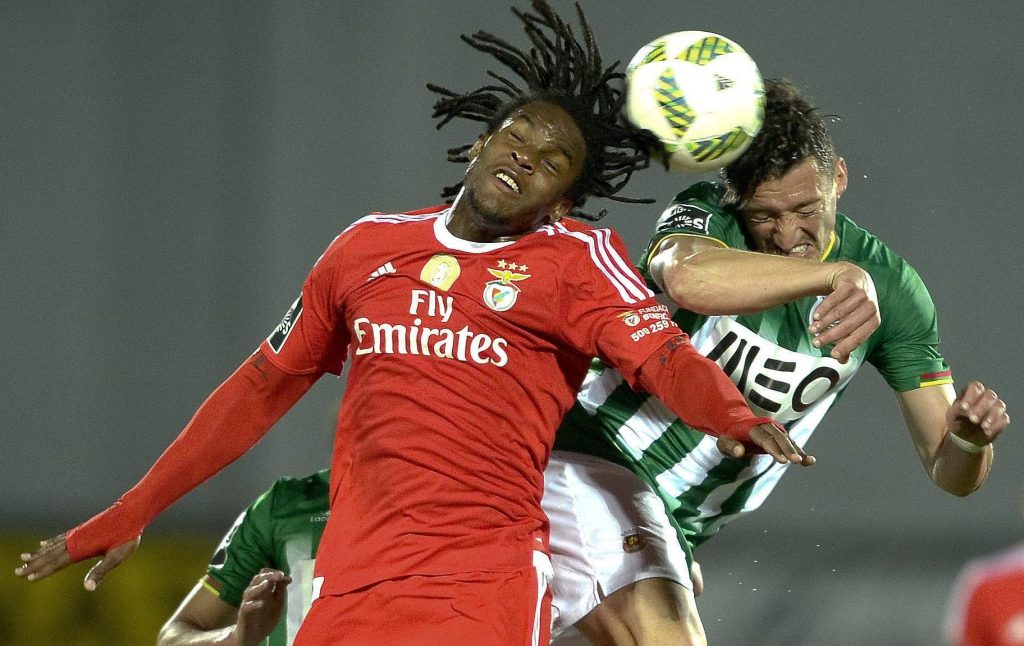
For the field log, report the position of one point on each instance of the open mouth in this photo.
(508, 181)
(797, 251)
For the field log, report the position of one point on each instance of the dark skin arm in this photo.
(231, 420)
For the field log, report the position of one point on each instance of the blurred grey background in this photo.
(170, 171)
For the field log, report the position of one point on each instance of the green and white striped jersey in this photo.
(280, 530)
(770, 358)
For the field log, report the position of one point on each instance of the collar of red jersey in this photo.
(445, 237)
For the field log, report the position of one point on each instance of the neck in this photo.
(466, 222)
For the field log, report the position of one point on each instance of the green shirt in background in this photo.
(280, 530)
(770, 358)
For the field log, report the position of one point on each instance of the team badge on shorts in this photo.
(441, 271)
(632, 542)
(500, 295)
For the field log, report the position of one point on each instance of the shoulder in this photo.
(860, 245)
(364, 235)
(600, 254)
(575, 236)
(379, 220)
(289, 493)
(991, 574)
(699, 210)
(890, 271)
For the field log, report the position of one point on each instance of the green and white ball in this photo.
(700, 93)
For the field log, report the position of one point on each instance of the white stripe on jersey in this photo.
(606, 259)
(542, 569)
(394, 218)
(624, 267)
(695, 466)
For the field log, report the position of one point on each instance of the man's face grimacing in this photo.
(521, 173)
(795, 215)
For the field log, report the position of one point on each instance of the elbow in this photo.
(166, 635)
(961, 492)
(688, 290)
(960, 487)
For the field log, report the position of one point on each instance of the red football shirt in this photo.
(987, 606)
(464, 358)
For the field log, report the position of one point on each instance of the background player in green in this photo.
(760, 267)
(269, 549)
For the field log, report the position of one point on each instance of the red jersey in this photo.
(988, 603)
(464, 358)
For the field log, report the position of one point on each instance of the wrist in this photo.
(964, 445)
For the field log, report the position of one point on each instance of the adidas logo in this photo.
(724, 83)
(386, 268)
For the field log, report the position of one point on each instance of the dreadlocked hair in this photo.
(561, 70)
(792, 132)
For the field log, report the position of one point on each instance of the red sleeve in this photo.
(698, 391)
(229, 422)
(313, 336)
(607, 309)
(610, 312)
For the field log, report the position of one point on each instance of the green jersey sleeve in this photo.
(697, 211)
(905, 350)
(245, 549)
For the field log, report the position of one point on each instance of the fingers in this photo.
(265, 585)
(848, 325)
(52, 556)
(114, 557)
(697, 577)
(847, 316)
(776, 442)
(985, 412)
(730, 447)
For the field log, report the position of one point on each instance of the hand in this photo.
(52, 556)
(697, 577)
(772, 440)
(262, 604)
(849, 314)
(977, 415)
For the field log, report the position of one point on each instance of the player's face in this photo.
(520, 174)
(795, 214)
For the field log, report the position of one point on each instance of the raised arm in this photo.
(703, 276)
(953, 435)
(229, 422)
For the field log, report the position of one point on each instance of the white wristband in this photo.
(964, 445)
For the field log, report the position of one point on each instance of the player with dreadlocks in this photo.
(469, 328)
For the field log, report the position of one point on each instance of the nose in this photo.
(522, 160)
(787, 232)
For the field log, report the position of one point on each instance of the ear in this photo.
(842, 178)
(477, 147)
(560, 209)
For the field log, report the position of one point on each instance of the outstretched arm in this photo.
(701, 275)
(953, 435)
(203, 619)
(232, 420)
(695, 388)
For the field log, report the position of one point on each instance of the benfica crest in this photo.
(501, 294)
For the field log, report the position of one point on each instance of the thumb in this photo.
(97, 572)
(110, 560)
(730, 447)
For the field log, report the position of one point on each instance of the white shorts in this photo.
(608, 529)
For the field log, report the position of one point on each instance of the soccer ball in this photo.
(700, 94)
